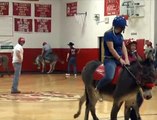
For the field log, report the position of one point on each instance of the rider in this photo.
(133, 56)
(46, 51)
(115, 48)
(132, 50)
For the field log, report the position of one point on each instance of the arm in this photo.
(125, 52)
(114, 52)
(19, 56)
(67, 57)
(42, 52)
(78, 51)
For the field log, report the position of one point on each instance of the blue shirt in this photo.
(117, 40)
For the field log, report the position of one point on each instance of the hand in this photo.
(122, 62)
(127, 62)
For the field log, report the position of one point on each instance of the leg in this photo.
(115, 109)
(17, 72)
(135, 115)
(43, 66)
(110, 67)
(92, 100)
(81, 101)
(68, 69)
(52, 67)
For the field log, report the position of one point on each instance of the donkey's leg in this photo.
(92, 102)
(81, 101)
(52, 67)
(43, 66)
(127, 110)
(115, 108)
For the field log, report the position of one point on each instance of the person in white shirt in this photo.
(17, 59)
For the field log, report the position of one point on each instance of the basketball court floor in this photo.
(52, 97)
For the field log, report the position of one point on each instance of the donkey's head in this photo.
(147, 77)
(38, 60)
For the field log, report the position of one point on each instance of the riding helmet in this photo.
(119, 21)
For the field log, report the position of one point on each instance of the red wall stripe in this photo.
(83, 57)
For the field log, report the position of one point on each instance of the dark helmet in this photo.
(21, 40)
(44, 43)
(119, 21)
(70, 43)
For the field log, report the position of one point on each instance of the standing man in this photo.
(17, 64)
(71, 59)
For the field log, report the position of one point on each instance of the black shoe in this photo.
(15, 92)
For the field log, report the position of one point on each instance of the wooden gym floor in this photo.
(52, 97)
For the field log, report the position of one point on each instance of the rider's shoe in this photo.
(98, 95)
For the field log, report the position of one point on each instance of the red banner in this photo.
(23, 25)
(4, 8)
(112, 7)
(71, 9)
(22, 9)
(42, 10)
(42, 25)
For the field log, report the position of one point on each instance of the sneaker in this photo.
(75, 75)
(15, 92)
(67, 75)
(98, 95)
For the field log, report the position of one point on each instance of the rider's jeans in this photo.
(47, 54)
(110, 67)
(72, 62)
(17, 72)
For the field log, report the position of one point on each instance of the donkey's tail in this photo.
(87, 77)
(88, 70)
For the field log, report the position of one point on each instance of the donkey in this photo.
(4, 61)
(138, 76)
(53, 60)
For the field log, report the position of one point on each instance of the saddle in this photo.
(100, 73)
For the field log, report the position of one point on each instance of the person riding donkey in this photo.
(115, 48)
(46, 51)
(131, 46)
(133, 56)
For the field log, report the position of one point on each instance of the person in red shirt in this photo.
(71, 59)
(133, 56)
(132, 51)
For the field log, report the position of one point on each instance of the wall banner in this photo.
(112, 7)
(23, 25)
(42, 10)
(22, 9)
(4, 8)
(71, 9)
(42, 25)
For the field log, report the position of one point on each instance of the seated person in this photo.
(46, 51)
(133, 56)
(132, 51)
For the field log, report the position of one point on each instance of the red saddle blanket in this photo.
(100, 73)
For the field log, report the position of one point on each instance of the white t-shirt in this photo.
(19, 48)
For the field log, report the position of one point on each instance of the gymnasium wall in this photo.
(84, 35)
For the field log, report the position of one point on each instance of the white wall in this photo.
(72, 31)
(65, 29)
(33, 39)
